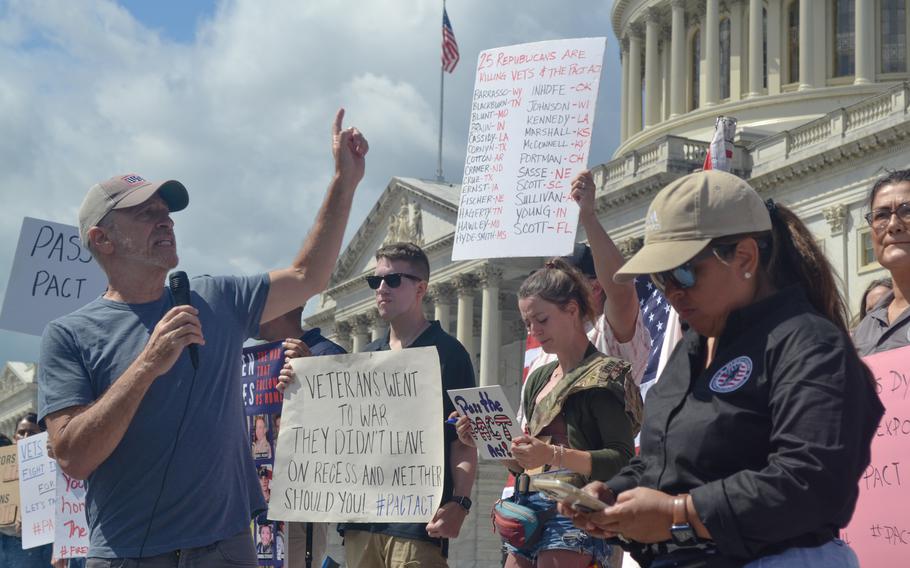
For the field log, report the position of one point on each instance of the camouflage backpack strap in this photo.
(617, 374)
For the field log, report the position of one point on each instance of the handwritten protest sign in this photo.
(52, 275)
(70, 525)
(492, 419)
(880, 529)
(262, 407)
(361, 439)
(532, 116)
(37, 490)
(9, 487)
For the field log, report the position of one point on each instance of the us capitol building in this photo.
(820, 94)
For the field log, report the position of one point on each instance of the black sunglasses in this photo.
(393, 280)
(879, 218)
(683, 276)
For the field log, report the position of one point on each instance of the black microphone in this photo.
(180, 290)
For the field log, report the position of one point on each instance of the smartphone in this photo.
(562, 491)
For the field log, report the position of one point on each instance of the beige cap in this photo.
(690, 212)
(124, 191)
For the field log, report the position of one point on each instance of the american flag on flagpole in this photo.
(720, 151)
(450, 55)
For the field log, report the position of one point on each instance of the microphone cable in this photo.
(167, 464)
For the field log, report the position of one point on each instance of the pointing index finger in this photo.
(339, 117)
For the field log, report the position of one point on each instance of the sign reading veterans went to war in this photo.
(37, 490)
(532, 117)
(52, 275)
(361, 439)
(879, 531)
(492, 419)
(70, 524)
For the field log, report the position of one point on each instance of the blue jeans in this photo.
(833, 554)
(560, 534)
(11, 554)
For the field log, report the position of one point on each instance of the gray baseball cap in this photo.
(688, 214)
(127, 190)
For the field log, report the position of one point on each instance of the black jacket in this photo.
(771, 439)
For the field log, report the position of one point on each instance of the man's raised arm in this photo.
(312, 267)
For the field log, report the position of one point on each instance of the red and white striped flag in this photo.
(450, 55)
(720, 152)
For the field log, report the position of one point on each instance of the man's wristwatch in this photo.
(465, 502)
(681, 531)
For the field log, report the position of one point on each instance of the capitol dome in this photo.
(772, 64)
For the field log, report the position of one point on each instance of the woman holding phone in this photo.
(577, 424)
(760, 426)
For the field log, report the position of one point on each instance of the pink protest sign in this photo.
(880, 529)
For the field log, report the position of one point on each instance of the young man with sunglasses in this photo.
(400, 280)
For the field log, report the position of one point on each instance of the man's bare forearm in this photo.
(463, 463)
(312, 266)
(84, 437)
(620, 307)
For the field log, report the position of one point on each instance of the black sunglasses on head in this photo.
(392, 280)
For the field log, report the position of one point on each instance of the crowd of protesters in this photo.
(751, 443)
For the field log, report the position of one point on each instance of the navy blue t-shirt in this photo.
(320, 345)
(211, 491)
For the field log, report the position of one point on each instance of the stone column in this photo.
(737, 55)
(624, 93)
(774, 46)
(711, 54)
(652, 70)
(490, 278)
(864, 36)
(466, 284)
(343, 334)
(634, 84)
(806, 45)
(678, 59)
(755, 48)
(665, 73)
(361, 326)
(443, 295)
(378, 326)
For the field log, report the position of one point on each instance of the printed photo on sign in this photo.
(262, 444)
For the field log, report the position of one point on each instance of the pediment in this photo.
(409, 209)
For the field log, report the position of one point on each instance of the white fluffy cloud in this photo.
(241, 113)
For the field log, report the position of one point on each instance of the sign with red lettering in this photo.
(493, 422)
(37, 490)
(532, 116)
(879, 531)
(52, 275)
(71, 527)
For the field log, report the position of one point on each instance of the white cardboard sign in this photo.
(492, 419)
(52, 275)
(37, 490)
(532, 116)
(70, 525)
(361, 439)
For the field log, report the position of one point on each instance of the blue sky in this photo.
(235, 99)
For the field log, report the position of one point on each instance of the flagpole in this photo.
(442, 80)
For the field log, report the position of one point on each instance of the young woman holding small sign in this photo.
(578, 425)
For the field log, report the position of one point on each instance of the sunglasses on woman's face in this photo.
(392, 280)
(683, 276)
